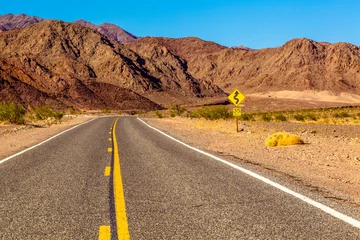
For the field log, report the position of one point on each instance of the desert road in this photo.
(118, 178)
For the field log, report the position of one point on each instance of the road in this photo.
(160, 189)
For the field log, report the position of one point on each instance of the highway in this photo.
(121, 179)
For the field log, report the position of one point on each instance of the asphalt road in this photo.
(58, 191)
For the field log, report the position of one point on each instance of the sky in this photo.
(251, 23)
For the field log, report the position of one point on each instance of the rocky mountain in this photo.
(111, 31)
(84, 65)
(76, 66)
(300, 64)
(11, 21)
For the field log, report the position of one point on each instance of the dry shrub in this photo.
(283, 139)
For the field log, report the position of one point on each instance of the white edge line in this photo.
(332, 212)
(47, 140)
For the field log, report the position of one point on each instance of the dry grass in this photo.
(335, 116)
(283, 139)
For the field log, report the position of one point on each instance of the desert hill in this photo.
(69, 63)
(111, 31)
(11, 21)
(300, 64)
(53, 57)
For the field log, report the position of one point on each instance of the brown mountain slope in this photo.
(300, 64)
(39, 87)
(182, 47)
(62, 58)
(111, 31)
(11, 21)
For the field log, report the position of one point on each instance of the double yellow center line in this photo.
(119, 198)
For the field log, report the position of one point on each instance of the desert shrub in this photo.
(141, 112)
(158, 114)
(336, 115)
(12, 112)
(299, 117)
(211, 113)
(106, 110)
(266, 117)
(280, 117)
(311, 116)
(172, 115)
(341, 115)
(247, 117)
(283, 139)
(58, 115)
(177, 110)
(72, 111)
(45, 112)
(345, 114)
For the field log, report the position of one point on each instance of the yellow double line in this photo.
(119, 198)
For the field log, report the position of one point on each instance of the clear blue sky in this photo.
(252, 23)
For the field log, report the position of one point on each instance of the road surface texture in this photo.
(58, 191)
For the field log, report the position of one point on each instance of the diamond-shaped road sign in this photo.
(236, 97)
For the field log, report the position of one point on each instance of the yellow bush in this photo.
(283, 139)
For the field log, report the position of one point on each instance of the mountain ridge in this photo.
(61, 58)
(300, 64)
(112, 31)
(65, 60)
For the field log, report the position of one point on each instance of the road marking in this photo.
(332, 212)
(109, 150)
(119, 198)
(107, 171)
(47, 140)
(104, 233)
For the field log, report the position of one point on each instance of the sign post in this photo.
(236, 97)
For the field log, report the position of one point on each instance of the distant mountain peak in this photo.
(110, 30)
(85, 23)
(10, 21)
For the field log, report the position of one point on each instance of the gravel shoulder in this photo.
(327, 163)
(15, 138)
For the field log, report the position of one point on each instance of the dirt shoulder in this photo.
(15, 138)
(328, 163)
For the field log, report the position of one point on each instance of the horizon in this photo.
(253, 24)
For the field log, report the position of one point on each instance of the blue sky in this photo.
(252, 23)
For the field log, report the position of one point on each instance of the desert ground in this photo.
(15, 138)
(328, 162)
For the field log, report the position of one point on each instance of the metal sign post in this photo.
(237, 114)
(236, 97)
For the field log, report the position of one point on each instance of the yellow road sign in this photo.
(236, 112)
(236, 97)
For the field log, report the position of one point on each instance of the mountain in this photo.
(77, 66)
(11, 21)
(70, 64)
(111, 31)
(300, 64)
